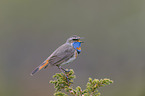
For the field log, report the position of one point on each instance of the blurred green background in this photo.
(114, 31)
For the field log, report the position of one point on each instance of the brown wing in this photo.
(62, 54)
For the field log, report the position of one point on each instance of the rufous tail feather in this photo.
(43, 65)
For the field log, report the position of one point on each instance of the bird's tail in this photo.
(43, 65)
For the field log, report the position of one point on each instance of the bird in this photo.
(64, 54)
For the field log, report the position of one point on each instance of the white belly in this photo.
(71, 59)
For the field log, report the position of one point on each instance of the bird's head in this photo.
(75, 41)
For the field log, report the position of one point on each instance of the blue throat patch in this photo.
(77, 46)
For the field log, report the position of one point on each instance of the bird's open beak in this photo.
(80, 41)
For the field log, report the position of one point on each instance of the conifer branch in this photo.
(61, 83)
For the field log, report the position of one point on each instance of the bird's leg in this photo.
(63, 71)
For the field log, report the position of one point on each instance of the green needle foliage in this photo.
(61, 83)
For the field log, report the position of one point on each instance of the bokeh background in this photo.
(114, 31)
